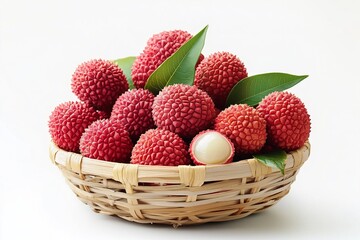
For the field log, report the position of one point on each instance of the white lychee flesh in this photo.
(212, 148)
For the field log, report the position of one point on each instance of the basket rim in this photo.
(173, 174)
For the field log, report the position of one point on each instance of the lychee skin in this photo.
(103, 114)
(201, 58)
(288, 122)
(213, 149)
(67, 123)
(159, 47)
(244, 126)
(217, 111)
(99, 83)
(267, 148)
(106, 140)
(160, 147)
(218, 74)
(134, 110)
(182, 109)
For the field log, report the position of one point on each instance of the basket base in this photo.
(105, 197)
(178, 223)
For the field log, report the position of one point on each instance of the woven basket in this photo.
(177, 195)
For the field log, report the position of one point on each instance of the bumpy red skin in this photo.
(160, 147)
(267, 148)
(244, 126)
(217, 111)
(103, 114)
(201, 58)
(196, 161)
(133, 109)
(288, 122)
(67, 123)
(218, 74)
(182, 109)
(106, 140)
(159, 47)
(99, 83)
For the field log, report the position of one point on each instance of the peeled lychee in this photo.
(218, 74)
(160, 147)
(159, 47)
(288, 122)
(133, 110)
(244, 126)
(67, 123)
(182, 109)
(99, 83)
(211, 147)
(106, 140)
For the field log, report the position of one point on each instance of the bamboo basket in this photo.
(179, 195)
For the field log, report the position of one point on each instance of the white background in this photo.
(42, 42)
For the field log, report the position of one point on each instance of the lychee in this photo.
(133, 109)
(106, 140)
(217, 111)
(267, 148)
(99, 83)
(182, 109)
(211, 147)
(103, 114)
(160, 147)
(244, 126)
(218, 74)
(159, 47)
(288, 122)
(67, 123)
(201, 58)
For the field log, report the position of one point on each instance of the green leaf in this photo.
(179, 67)
(252, 90)
(125, 64)
(273, 159)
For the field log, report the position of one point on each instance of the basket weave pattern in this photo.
(177, 195)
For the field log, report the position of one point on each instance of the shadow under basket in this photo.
(178, 195)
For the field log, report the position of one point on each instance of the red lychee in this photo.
(217, 111)
(103, 114)
(67, 123)
(182, 109)
(287, 120)
(245, 127)
(211, 147)
(106, 140)
(218, 74)
(159, 47)
(99, 83)
(133, 110)
(160, 147)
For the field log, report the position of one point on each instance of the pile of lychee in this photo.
(182, 124)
